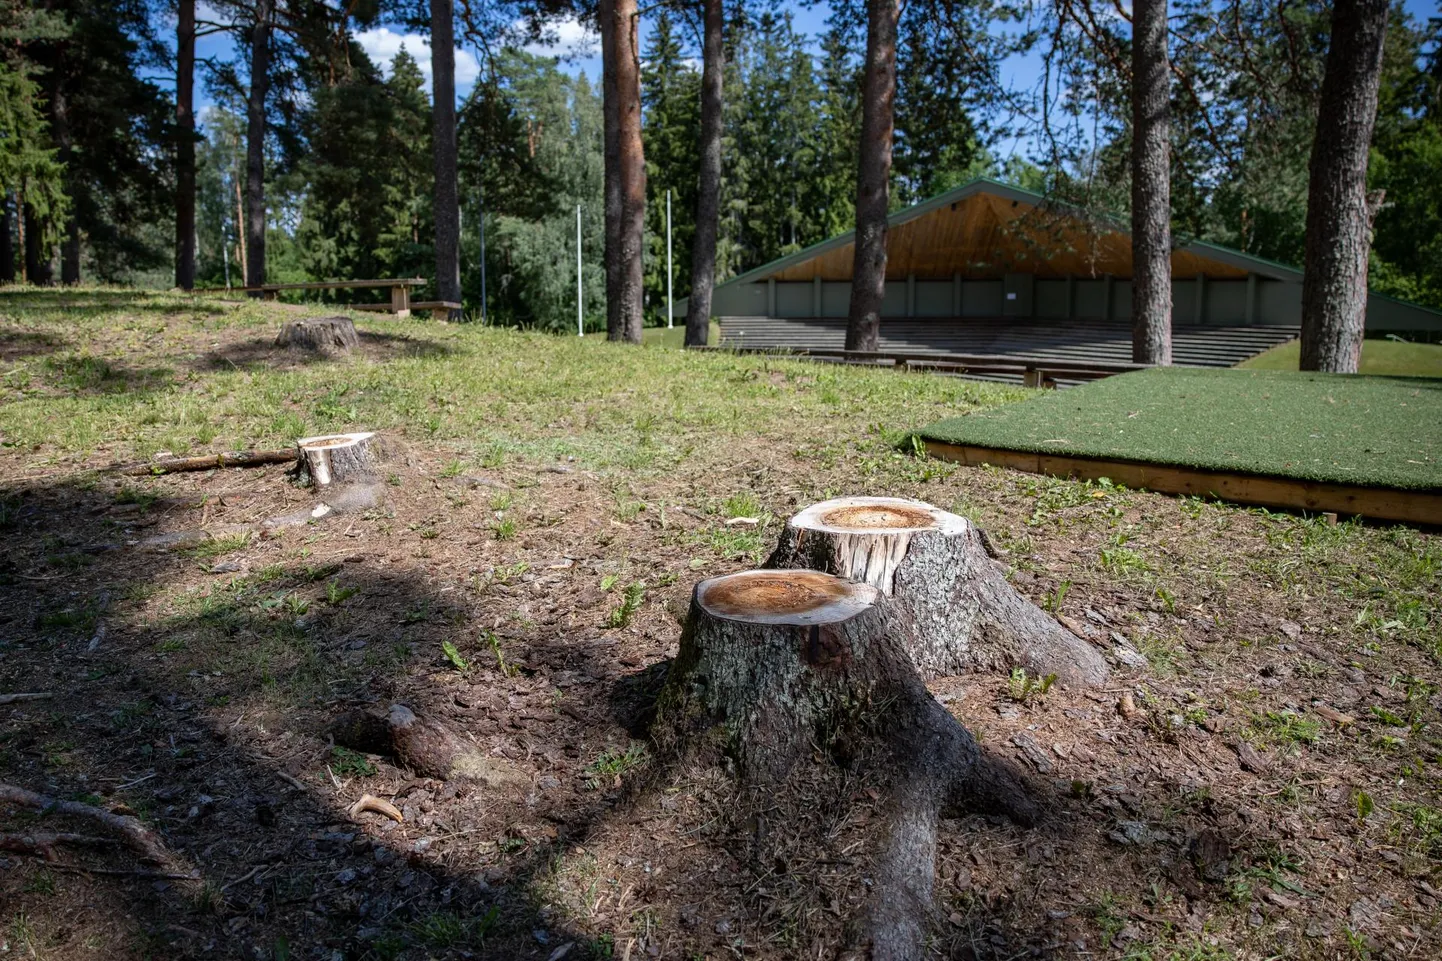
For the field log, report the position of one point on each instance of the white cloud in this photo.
(567, 39)
(382, 44)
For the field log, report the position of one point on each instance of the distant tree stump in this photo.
(321, 334)
(780, 660)
(964, 614)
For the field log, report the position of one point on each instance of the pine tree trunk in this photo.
(935, 568)
(878, 105)
(64, 142)
(7, 239)
(1339, 217)
(38, 269)
(185, 147)
(792, 668)
(624, 309)
(255, 145)
(611, 154)
(1151, 186)
(443, 122)
(70, 252)
(708, 192)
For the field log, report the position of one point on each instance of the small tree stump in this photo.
(934, 565)
(425, 745)
(340, 458)
(784, 662)
(322, 334)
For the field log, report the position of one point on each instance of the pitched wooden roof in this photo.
(984, 229)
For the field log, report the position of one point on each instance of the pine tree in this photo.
(936, 143)
(670, 97)
(839, 131)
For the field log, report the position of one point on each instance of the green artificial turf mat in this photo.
(1339, 428)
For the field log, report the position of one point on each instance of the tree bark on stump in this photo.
(963, 613)
(332, 459)
(784, 661)
(323, 334)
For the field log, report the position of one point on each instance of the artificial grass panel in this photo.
(1338, 428)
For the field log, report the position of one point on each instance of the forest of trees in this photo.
(95, 129)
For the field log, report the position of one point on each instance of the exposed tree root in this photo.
(135, 834)
(426, 745)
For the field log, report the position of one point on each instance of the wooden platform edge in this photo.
(1382, 503)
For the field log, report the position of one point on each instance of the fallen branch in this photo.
(44, 844)
(174, 465)
(12, 698)
(143, 840)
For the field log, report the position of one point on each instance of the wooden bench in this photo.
(400, 304)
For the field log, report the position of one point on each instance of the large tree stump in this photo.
(785, 662)
(933, 564)
(321, 334)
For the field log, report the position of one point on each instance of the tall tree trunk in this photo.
(70, 252)
(611, 126)
(7, 239)
(65, 145)
(1339, 216)
(708, 189)
(255, 145)
(626, 197)
(443, 130)
(38, 269)
(185, 147)
(878, 108)
(1151, 186)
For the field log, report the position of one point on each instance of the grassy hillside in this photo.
(1385, 357)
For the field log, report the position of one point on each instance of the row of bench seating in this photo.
(1053, 341)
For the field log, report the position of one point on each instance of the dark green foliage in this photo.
(671, 99)
(532, 140)
(367, 209)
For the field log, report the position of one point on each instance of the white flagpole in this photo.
(580, 312)
(670, 318)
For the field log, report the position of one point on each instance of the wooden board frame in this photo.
(1382, 503)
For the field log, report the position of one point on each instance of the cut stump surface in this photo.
(963, 612)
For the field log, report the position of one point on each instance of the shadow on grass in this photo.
(78, 300)
(17, 344)
(261, 352)
(195, 688)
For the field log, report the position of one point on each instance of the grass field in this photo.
(1337, 428)
(1262, 776)
(1381, 357)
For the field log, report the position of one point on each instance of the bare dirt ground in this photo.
(1259, 781)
